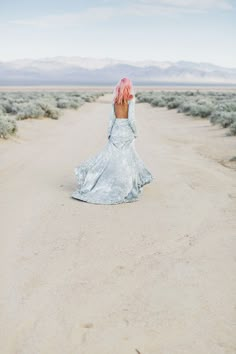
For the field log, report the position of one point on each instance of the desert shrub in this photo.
(49, 110)
(71, 102)
(158, 102)
(29, 110)
(145, 96)
(226, 119)
(7, 106)
(88, 97)
(227, 106)
(215, 116)
(201, 109)
(184, 107)
(7, 126)
(191, 93)
(195, 109)
(62, 103)
(76, 103)
(232, 130)
(175, 103)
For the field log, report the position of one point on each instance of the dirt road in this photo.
(152, 277)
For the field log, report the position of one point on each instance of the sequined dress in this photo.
(116, 174)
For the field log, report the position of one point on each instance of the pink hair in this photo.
(123, 91)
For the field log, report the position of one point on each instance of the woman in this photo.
(116, 174)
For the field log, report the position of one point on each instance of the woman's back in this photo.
(121, 110)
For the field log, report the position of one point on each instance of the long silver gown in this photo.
(116, 174)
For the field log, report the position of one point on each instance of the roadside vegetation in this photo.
(16, 106)
(218, 107)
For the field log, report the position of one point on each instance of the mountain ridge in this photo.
(77, 70)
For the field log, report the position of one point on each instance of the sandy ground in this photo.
(156, 276)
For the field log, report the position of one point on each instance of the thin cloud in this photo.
(180, 5)
(92, 14)
(141, 8)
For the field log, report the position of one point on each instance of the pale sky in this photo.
(163, 30)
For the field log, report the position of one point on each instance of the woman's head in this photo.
(123, 91)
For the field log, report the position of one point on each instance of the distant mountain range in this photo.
(62, 70)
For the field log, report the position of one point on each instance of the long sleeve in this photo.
(111, 121)
(131, 116)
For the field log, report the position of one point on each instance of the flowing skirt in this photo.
(116, 174)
